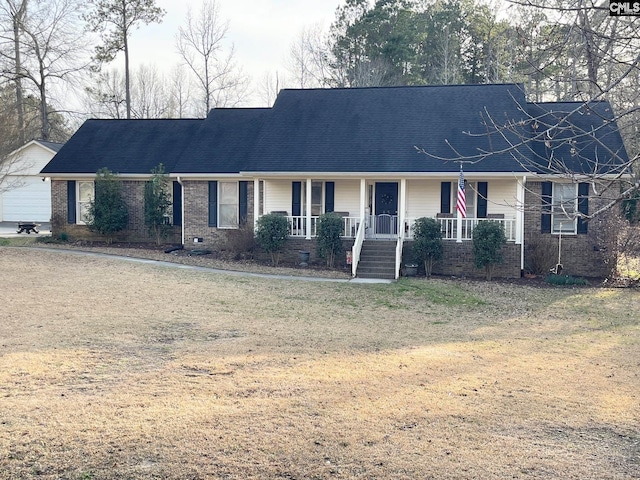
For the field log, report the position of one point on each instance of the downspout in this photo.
(179, 180)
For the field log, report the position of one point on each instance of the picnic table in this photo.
(28, 227)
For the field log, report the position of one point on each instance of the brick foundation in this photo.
(458, 261)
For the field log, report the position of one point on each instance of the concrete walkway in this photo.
(208, 269)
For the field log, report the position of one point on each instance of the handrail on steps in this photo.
(399, 255)
(357, 248)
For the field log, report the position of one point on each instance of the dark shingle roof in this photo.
(124, 146)
(350, 130)
(377, 129)
(223, 142)
(576, 137)
(51, 145)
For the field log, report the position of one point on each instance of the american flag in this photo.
(461, 205)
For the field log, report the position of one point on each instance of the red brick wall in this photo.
(196, 215)
(458, 260)
(580, 255)
(136, 231)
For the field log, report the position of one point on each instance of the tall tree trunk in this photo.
(45, 130)
(17, 25)
(127, 77)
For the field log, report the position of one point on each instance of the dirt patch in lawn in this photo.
(112, 370)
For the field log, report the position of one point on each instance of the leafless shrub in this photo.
(239, 244)
(619, 242)
(541, 253)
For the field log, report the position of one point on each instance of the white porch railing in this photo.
(298, 226)
(357, 248)
(386, 226)
(449, 226)
(399, 243)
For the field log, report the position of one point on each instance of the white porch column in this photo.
(459, 227)
(363, 199)
(520, 210)
(522, 185)
(308, 212)
(256, 201)
(403, 207)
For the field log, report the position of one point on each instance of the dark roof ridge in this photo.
(142, 119)
(577, 102)
(397, 87)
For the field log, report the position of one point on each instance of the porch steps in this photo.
(377, 260)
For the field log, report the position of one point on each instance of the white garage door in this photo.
(30, 202)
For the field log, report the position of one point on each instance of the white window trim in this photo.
(467, 191)
(237, 203)
(79, 204)
(303, 197)
(574, 221)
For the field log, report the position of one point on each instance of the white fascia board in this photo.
(18, 150)
(206, 176)
(85, 176)
(44, 147)
(385, 175)
(558, 177)
(25, 146)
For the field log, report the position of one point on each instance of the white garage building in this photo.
(25, 195)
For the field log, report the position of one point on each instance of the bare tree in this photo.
(9, 164)
(269, 88)
(53, 51)
(106, 97)
(306, 62)
(151, 98)
(151, 94)
(180, 97)
(115, 20)
(201, 46)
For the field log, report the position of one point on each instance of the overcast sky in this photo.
(262, 31)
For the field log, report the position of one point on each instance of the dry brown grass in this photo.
(111, 370)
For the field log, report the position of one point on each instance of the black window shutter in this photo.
(243, 201)
(329, 194)
(296, 192)
(545, 219)
(583, 206)
(71, 201)
(445, 197)
(482, 199)
(177, 204)
(213, 204)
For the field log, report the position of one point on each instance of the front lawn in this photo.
(114, 370)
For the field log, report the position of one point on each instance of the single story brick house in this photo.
(380, 157)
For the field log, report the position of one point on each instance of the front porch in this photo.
(386, 209)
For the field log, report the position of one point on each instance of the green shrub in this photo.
(565, 280)
(271, 235)
(427, 242)
(108, 212)
(328, 241)
(488, 240)
(157, 200)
